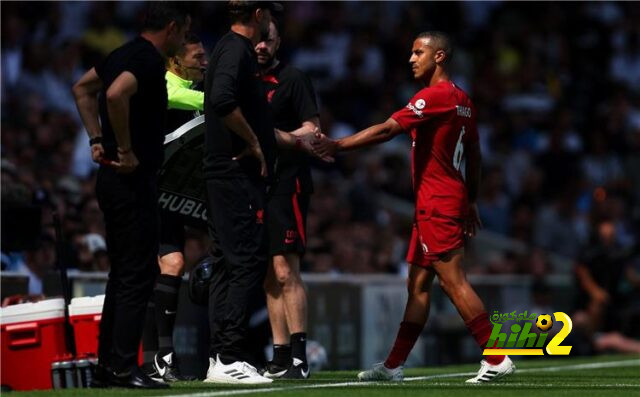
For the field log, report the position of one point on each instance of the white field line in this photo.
(610, 364)
(580, 385)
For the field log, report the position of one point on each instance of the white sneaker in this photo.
(380, 372)
(212, 363)
(238, 372)
(489, 373)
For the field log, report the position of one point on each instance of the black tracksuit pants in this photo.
(129, 204)
(236, 208)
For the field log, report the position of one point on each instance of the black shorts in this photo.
(172, 236)
(287, 223)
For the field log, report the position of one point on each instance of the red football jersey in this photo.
(442, 123)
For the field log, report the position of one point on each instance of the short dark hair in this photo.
(276, 23)
(160, 13)
(241, 10)
(441, 40)
(190, 38)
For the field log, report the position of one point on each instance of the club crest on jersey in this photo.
(270, 95)
(417, 108)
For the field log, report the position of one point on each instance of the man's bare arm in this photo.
(289, 140)
(119, 96)
(85, 92)
(373, 135)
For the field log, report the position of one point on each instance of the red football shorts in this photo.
(434, 236)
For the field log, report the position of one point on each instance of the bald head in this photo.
(438, 41)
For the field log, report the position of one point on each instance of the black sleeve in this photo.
(224, 88)
(101, 68)
(140, 65)
(303, 96)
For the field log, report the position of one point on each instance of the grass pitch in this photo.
(542, 376)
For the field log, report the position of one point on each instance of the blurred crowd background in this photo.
(556, 85)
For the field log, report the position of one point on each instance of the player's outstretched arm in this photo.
(373, 135)
(305, 138)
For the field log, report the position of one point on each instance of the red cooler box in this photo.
(32, 338)
(85, 314)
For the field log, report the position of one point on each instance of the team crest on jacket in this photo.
(420, 104)
(260, 216)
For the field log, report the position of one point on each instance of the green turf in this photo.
(542, 375)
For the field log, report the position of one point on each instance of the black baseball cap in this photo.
(244, 6)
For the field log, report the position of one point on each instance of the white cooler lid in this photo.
(43, 310)
(86, 305)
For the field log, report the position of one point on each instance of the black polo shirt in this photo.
(232, 80)
(293, 101)
(147, 107)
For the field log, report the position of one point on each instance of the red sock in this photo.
(407, 336)
(480, 328)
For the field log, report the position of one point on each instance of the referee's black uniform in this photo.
(129, 202)
(235, 190)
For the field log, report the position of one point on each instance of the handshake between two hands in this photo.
(317, 144)
(307, 138)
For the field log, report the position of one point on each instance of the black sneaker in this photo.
(166, 368)
(100, 377)
(274, 371)
(134, 379)
(151, 371)
(298, 370)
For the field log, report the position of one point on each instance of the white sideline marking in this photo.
(510, 384)
(610, 364)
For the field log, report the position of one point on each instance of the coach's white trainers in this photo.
(489, 373)
(238, 372)
(380, 372)
(212, 363)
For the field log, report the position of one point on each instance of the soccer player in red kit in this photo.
(442, 122)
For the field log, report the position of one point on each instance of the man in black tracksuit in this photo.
(240, 144)
(128, 144)
(240, 153)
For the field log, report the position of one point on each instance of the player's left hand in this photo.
(473, 222)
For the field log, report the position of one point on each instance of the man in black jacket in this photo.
(240, 143)
(127, 142)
